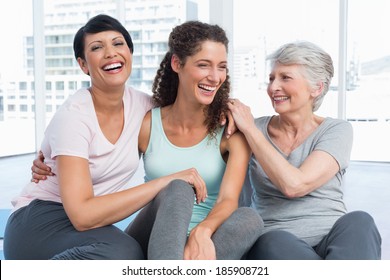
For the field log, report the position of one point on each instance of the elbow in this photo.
(291, 194)
(80, 228)
(294, 190)
(81, 224)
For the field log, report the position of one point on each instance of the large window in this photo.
(257, 31)
(368, 97)
(367, 75)
(17, 122)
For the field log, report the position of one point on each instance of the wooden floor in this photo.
(367, 187)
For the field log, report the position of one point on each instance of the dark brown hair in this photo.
(185, 40)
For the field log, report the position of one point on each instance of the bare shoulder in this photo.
(235, 141)
(144, 133)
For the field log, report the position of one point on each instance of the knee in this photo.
(360, 215)
(177, 193)
(251, 218)
(244, 222)
(361, 219)
(275, 237)
(364, 221)
(178, 189)
(265, 246)
(126, 249)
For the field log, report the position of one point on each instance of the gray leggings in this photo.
(161, 227)
(354, 236)
(42, 230)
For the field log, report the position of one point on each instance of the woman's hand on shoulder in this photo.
(231, 125)
(242, 115)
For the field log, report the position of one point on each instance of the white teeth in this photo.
(209, 88)
(280, 98)
(112, 66)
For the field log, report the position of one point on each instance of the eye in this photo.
(120, 43)
(95, 47)
(285, 77)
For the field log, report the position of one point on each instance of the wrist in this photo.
(202, 231)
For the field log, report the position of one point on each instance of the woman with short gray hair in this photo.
(298, 164)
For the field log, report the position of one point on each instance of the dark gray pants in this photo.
(161, 227)
(354, 236)
(42, 230)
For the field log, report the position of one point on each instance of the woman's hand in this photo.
(192, 177)
(242, 115)
(231, 126)
(199, 246)
(39, 170)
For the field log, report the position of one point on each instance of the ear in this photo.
(317, 90)
(175, 63)
(83, 65)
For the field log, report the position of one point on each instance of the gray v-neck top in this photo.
(309, 217)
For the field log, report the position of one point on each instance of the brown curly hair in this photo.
(185, 40)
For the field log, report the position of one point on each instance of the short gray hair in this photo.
(316, 63)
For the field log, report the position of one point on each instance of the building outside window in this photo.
(149, 23)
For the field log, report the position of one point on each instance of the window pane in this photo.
(17, 125)
(258, 32)
(368, 97)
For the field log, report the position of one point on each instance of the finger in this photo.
(39, 171)
(41, 165)
(201, 190)
(41, 168)
(40, 156)
(223, 119)
(230, 106)
(38, 177)
(197, 190)
(232, 128)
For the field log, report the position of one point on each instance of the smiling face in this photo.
(203, 73)
(108, 59)
(289, 90)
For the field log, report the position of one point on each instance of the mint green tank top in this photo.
(163, 158)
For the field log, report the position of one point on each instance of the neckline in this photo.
(160, 124)
(303, 142)
(99, 129)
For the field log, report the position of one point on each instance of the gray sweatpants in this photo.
(42, 230)
(161, 227)
(354, 236)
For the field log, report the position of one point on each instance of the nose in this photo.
(273, 85)
(109, 51)
(214, 75)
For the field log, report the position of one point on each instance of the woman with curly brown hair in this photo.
(191, 91)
